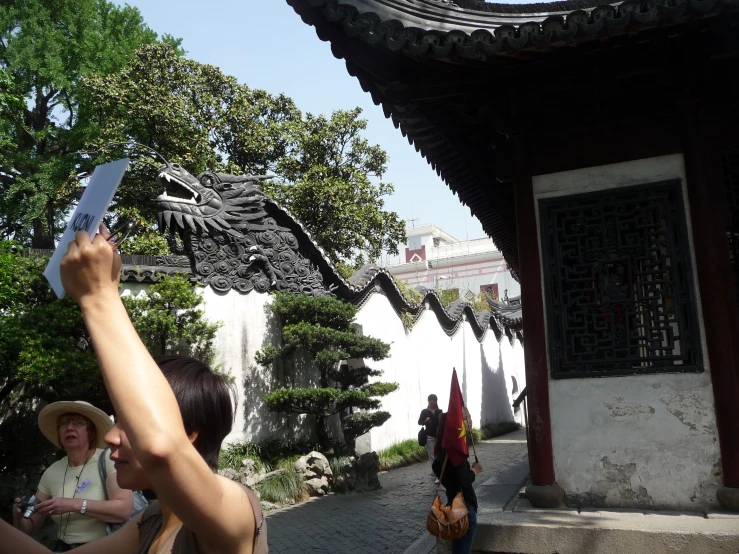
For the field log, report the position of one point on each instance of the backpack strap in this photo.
(103, 470)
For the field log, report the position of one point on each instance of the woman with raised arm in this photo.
(172, 418)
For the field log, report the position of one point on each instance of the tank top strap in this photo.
(260, 532)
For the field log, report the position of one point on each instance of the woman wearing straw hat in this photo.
(70, 490)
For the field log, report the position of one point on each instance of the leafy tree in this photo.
(46, 48)
(44, 344)
(447, 296)
(328, 183)
(46, 353)
(410, 294)
(191, 114)
(324, 327)
(168, 317)
(480, 303)
(328, 175)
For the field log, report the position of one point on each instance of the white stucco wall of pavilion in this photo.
(421, 361)
(640, 440)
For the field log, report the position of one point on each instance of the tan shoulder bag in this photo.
(448, 522)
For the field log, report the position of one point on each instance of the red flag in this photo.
(455, 432)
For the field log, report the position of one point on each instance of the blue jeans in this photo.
(463, 545)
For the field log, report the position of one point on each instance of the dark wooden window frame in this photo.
(570, 353)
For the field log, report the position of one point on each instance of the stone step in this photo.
(528, 530)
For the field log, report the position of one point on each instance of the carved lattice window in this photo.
(619, 283)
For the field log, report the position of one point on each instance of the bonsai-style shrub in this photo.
(324, 327)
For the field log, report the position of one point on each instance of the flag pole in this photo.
(472, 438)
(464, 422)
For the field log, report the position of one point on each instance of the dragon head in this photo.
(209, 202)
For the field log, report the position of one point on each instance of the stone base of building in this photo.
(728, 497)
(545, 496)
(524, 529)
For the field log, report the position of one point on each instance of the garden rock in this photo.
(249, 476)
(229, 473)
(360, 474)
(315, 471)
(248, 466)
(268, 506)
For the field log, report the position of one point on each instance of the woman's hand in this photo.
(476, 467)
(91, 269)
(17, 512)
(58, 506)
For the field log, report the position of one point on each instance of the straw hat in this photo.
(49, 417)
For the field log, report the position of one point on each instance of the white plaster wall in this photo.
(421, 361)
(642, 440)
(246, 326)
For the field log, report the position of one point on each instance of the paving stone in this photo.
(391, 519)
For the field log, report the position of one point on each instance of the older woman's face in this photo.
(74, 431)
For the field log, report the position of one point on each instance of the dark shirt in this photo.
(431, 425)
(456, 479)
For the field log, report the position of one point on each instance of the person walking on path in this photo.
(458, 478)
(430, 419)
(452, 463)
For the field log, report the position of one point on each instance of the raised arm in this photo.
(217, 511)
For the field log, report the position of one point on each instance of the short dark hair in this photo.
(206, 402)
(432, 396)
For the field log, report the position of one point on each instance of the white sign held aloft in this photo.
(88, 215)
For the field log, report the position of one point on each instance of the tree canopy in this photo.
(169, 318)
(46, 353)
(46, 49)
(327, 174)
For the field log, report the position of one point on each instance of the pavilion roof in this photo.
(477, 30)
(439, 69)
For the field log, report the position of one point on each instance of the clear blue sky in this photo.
(264, 44)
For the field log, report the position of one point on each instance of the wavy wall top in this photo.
(236, 237)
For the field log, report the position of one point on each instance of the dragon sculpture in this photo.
(232, 239)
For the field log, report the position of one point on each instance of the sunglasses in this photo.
(121, 233)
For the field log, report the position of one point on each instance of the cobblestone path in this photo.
(387, 520)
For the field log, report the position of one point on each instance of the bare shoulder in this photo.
(235, 492)
(238, 518)
(230, 484)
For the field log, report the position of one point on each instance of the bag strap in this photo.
(103, 470)
(441, 475)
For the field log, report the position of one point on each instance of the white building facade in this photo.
(434, 259)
